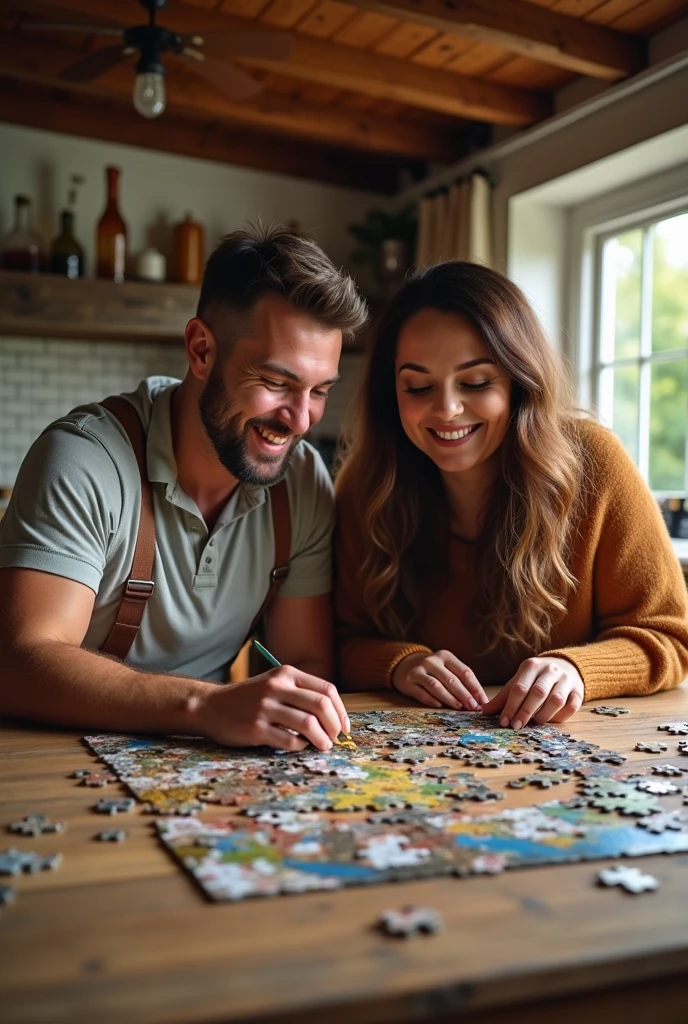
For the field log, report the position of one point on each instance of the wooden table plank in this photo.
(119, 933)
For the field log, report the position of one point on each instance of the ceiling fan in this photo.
(151, 41)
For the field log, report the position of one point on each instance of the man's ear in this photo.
(201, 348)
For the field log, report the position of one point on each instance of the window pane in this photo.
(670, 284)
(622, 291)
(625, 393)
(668, 414)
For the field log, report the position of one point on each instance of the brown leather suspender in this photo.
(140, 584)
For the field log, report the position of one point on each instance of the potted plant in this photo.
(385, 241)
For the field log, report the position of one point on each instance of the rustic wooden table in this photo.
(120, 934)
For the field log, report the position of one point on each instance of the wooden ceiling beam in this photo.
(37, 60)
(345, 67)
(114, 120)
(527, 29)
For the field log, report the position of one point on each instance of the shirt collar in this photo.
(162, 465)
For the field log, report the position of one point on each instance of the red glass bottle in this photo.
(111, 233)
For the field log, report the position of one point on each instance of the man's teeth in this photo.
(454, 435)
(272, 438)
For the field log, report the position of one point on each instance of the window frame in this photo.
(589, 226)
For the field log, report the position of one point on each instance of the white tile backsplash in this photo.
(40, 379)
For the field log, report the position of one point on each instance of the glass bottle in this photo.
(22, 248)
(111, 233)
(66, 254)
(189, 251)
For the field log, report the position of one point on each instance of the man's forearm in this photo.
(51, 681)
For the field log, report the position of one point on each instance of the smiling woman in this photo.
(486, 532)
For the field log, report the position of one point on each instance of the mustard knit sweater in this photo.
(626, 626)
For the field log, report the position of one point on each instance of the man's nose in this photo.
(300, 418)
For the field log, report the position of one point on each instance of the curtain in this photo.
(456, 224)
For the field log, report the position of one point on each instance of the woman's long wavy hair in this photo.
(401, 502)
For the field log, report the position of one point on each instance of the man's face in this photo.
(269, 390)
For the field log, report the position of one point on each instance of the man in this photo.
(263, 352)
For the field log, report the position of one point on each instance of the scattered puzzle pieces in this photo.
(410, 921)
(631, 879)
(666, 769)
(675, 728)
(608, 709)
(651, 748)
(542, 779)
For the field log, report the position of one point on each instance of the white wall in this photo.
(157, 189)
(41, 378)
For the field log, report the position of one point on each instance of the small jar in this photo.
(189, 251)
(151, 265)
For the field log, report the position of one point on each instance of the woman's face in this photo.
(454, 401)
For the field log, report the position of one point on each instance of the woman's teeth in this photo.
(272, 438)
(455, 435)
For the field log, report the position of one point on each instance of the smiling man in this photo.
(231, 482)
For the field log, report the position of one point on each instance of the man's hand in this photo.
(270, 708)
(543, 689)
(439, 680)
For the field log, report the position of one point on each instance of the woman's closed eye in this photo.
(480, 385)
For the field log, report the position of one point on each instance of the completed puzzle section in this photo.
(390, 809)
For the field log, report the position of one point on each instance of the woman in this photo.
(488, 534)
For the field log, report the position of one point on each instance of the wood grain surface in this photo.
(119, 933)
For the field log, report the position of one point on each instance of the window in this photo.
(640, 345)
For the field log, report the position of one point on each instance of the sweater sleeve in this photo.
(365, 659)
(640, 642)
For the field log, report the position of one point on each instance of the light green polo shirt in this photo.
(74, 512)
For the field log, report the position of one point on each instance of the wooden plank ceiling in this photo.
(370, 87)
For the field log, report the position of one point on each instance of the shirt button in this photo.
(210, 543)
(208, 561)
(206, 568)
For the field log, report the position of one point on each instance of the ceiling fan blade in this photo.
(272, 45)
(235, 84)
(95, 64)
(68, 26)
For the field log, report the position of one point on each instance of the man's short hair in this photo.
(249, 264)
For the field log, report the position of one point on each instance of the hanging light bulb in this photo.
(149, 97)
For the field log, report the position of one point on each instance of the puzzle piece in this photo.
(675, 728)
(631, 879)
(98, 779)
(411, 920)
(409, 755)
(608, 756)
(659, 822)
(35, 825)
(656, 786)
(638, 804)
(542, 779)
(651, 748)
(667, 769)
(608, 709)
(122, 806)
(7, 894)
(682, 747)
(112, 835)
(16, 862)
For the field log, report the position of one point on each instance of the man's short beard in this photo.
(231, 444)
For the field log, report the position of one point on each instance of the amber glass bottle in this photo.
(22, 248)
(189, 251)
(111, 233)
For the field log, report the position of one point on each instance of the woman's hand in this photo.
(543, 689)
(439, 680)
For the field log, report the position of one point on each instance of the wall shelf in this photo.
(49, 306)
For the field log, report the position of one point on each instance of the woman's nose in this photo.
(448, 400)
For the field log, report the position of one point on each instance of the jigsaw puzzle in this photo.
(395, 803)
